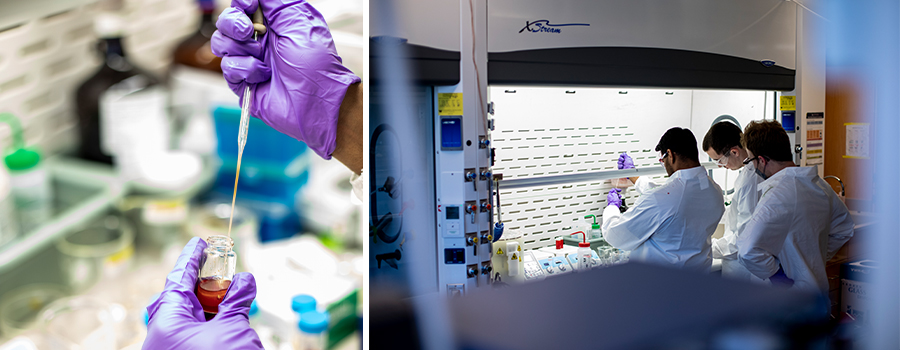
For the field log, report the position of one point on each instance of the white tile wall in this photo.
(43, 60)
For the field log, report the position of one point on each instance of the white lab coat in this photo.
(800, 223)
(356, 182)
(737, 215)
(670, 224)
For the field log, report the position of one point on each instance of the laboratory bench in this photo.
(53, 265)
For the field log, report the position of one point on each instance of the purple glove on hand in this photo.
(176, 318)
(625, 161)
(614, 198)
(296, 76)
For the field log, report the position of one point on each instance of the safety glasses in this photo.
(723, 160)
(748, 160)
(662, 159)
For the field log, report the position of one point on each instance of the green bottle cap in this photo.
(22, 159)
(595, 226)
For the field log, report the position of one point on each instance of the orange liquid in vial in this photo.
(210, 293)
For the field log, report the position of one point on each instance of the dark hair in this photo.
(767, 138)
(722, 136)
(680, 141)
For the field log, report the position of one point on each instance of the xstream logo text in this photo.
(544, 26)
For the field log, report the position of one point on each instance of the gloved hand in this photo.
(614, 198)
(780, 279)
(296, 76)
(176, 317)
(625, 161)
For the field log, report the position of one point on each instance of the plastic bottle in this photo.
(584, 252)
(30, 185)
(8, 228)
(595, 228)
(313, 333)
(30, 188)
(303, 303)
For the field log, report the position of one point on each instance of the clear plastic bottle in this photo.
(30, 188)
(8, 228)
(27, 186)
(313, 333)
(594, 232)
(217, 265)
(583, 253)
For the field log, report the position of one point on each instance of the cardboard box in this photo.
(856, 289)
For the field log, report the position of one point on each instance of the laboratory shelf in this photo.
(82, 192)
(588, 176)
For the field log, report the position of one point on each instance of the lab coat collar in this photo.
(689, 173)
(794, 171)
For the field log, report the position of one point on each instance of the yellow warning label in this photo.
(450, 103)
(788, 103)
(519, 248)
(515, 257)
(499, 251)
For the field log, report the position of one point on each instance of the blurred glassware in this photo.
(82, 323)
(104, 248)
(116, 70)
(194, 51)
(20, 308)
(163, 228)
(198, 85)
(211, 219)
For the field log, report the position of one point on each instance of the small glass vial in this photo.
(217, 265)
(313, 333)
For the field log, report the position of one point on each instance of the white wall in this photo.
(544, 131)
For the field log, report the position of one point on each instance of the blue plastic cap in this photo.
(313, 322)
(253, 308)
(303, 303)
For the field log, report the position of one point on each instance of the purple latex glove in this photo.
(296, 76)
(614, 198)
(780, 279)
(176, 317)
(625, 161)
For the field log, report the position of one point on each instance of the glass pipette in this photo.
(245, 119)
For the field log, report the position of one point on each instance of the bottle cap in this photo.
(313, 322)
(303, 303)
(595, 226)
(584, 245)
(22, 159)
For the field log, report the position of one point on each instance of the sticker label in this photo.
(788, 103)
(450, 103)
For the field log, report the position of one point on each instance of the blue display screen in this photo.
(454, 256)
(451, 133)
